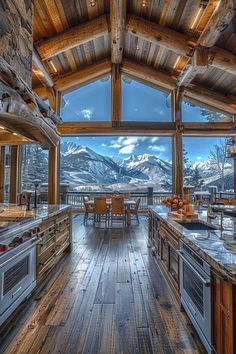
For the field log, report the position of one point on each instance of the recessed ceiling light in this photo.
(137, 48)
(144, 3)
(2, 127)
(15, 134)
(93, 3)
(53, 66)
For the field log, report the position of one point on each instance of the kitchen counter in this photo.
(212, 245)
(14, 219)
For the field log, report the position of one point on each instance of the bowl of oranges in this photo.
(175, 202)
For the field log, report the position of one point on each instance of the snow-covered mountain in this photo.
(82, 165)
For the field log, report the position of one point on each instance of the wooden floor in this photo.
(107, 296)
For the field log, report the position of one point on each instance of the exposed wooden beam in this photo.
(53, 186)
(40, 70)
(178, 163)
(41, 91)
(117, 19)
(116, 92)
(14, 174)
(197, 65)
(124, 128)
(83, 76)
(166, 81)
(219, 20)
(2, 172)
(72, 37)
(8, 138)
(213, 129)
(54, 98)
(177, 42)
(148, 74)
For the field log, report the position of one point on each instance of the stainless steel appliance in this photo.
(195, 290)
(17, 270)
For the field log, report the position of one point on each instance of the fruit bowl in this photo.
(175, 202)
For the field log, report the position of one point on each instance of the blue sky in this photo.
(139, 102)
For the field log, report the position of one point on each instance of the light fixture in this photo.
(93, 3)
(137, 48)
(2, 127)
(53, 66)
(176, 62)
(217, 6)
(144, 3)
(197, 16)
(15, 134)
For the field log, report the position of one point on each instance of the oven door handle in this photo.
(205, 281)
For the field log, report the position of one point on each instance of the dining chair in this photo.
(88, 209)
(101, 210)
(118, 212)
(134, 210)
(222, 201)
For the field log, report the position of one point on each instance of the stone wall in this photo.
(16, 41)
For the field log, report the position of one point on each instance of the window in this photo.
(193, 112)
(141, 102)
(34, 166)
(117, 163)
(205, 164)
(88, 103)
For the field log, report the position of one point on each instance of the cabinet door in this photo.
(174, 264)
(165, 252)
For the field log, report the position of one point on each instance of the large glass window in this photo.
(34, 166)
(117, 163)
(193, 112)
(205, 164)
(88, 103)
(141, 102)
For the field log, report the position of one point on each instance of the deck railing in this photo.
(75, 199)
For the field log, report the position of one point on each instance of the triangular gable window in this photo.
(88, 103)
(141, 102)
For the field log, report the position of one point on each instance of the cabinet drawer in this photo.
(44, 256)
(45, 231)
(45, 243)
(44, 267)
(62, 237)
(63, 222)
(171, 237)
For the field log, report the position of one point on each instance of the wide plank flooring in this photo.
(107, 296)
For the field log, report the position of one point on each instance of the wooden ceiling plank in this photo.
(72, 37)
(117, 20)
(178, 43)
(83, 76)
(219, 20)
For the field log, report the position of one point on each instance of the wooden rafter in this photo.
(72, 37)
(117, 19)
(197, 65)
(83, 76)
(177, 42)
(40, 70)
(219, 20)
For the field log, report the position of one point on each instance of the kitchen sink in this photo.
(196, 225)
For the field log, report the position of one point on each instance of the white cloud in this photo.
(153, 140)
(199, 158)
(104, 144)
(159, 148)
(87, 113)
(128, 149)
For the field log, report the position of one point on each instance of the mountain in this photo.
(82, 165)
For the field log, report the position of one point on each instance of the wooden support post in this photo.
(235, 175)
(54, 98)
(53, 156)
(14, 174)
(116, 92)
(2, 173)
(177, 144)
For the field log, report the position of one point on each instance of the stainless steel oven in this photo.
(17, 276)
(195, 289)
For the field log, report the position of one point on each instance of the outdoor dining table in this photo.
(127, 203)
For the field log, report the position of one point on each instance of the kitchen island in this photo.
(31, 244)
(206, 287)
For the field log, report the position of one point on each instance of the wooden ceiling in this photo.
(72, 36)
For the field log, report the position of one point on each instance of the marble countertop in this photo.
(15, 219)
(217, 247)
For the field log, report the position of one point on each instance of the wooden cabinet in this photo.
(55, 239)
(224, 315)
(165, 243)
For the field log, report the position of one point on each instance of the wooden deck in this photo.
(107, 296)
